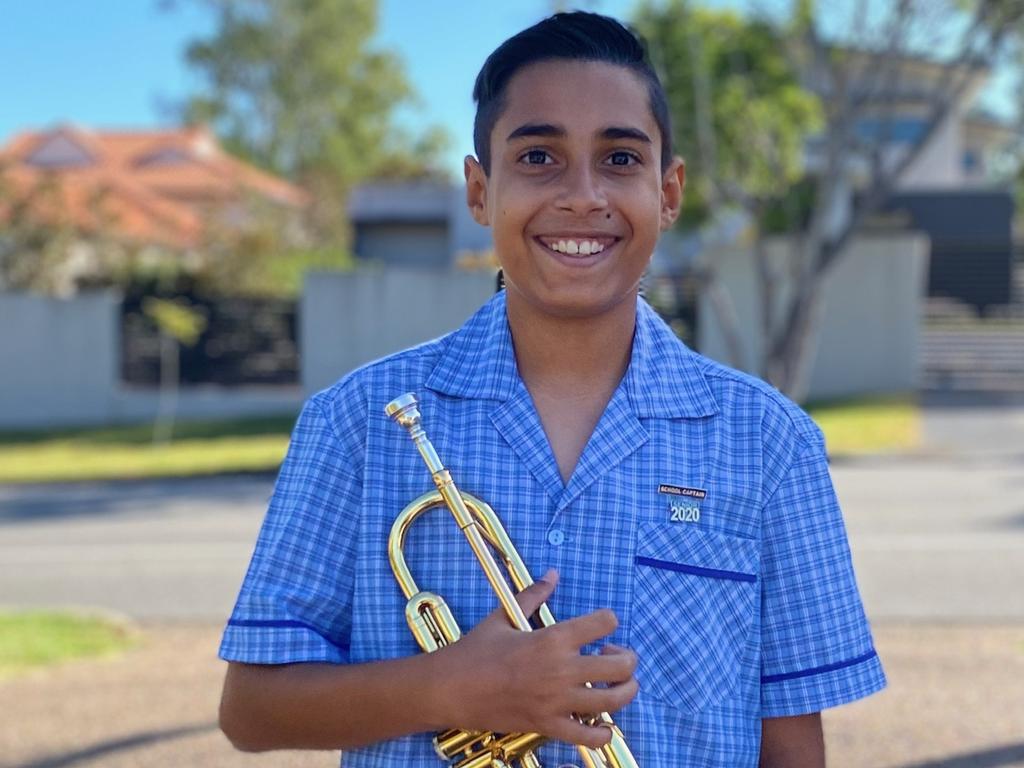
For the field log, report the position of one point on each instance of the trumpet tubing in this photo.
(433, 625)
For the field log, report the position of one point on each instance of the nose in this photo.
(582, 193)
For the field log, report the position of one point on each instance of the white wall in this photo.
(347, 319)
(59, 367)
(940, 164)
(869, 335)
(58, 358)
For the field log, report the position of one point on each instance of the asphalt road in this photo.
(937, 536)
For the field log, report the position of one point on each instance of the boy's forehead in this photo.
(569, 92)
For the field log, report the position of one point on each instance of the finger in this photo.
(530, 599)
(610, 699)
(605, 669)
(611, 649)
(533, 597)
(572, 731)
(589, 627)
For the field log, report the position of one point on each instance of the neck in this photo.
(571, 356)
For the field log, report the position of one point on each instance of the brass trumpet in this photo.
(434, 626)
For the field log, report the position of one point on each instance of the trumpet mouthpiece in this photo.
(403, 410)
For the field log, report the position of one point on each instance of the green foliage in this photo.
(175, 318)
(42, 251)
(138, 434)
(759, 113)
(191, 449)
(789, 210)
(267, 257)
(294, 86)
(285, 275)
(870, 425)
(36, 638)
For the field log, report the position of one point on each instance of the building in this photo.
(160, 191)
(414, 224)
(894, 97)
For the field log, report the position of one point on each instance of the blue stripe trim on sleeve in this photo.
(282, 624)
(695, 570)
(819, 670)
(274, 624)
(270, 623)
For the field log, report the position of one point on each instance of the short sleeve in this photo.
(817, 650)
(295, 602)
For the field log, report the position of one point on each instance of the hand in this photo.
(497, 678)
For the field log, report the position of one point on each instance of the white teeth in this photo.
(582, 247)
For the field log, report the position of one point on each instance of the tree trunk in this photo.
(167, 403)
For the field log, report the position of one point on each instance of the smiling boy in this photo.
(715, 637)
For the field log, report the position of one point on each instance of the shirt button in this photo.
(555, 537)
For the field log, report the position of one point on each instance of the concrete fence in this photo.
(869, 336)
(350, 319)
(60, 367)
(59, 359)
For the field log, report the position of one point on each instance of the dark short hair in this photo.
(576, 36)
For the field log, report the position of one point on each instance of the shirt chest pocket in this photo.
(694, 598)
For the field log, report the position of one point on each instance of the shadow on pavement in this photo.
(65, 500)
(960, 399)
(106, 748)
(987, 758)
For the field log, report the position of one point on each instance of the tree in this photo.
(859, 76)
(42, 250)
(856, 75)
(294, 86)
(179, 325)
(740, 119)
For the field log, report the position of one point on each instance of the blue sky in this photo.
(119, 63)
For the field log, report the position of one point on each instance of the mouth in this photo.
(577, 245)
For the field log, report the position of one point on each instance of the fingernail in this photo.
(549, 576)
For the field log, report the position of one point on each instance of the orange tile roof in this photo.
(142, 186)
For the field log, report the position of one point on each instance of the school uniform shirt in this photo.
(701, 512)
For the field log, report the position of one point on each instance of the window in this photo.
(908, 130)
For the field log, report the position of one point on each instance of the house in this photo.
(959, 174)
(414, 223)
(895, 96)
(161, 191)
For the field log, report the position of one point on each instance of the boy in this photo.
(685, 510)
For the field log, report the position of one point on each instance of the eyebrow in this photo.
(537, 129)
(621, 132)
(547, 130)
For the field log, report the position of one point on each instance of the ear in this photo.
(672, 183)
(476, 190)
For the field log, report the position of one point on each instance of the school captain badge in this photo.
(683, 503)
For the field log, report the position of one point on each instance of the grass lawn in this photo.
(879, 425)
(254, 445)
(35, 638)
(198, 448)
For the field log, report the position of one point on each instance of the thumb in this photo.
(531, 598)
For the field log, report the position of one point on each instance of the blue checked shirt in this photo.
(701, 512)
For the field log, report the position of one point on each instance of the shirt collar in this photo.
(664, 378)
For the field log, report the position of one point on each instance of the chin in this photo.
(579, 305)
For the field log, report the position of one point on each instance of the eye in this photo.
(536, 157)
(624, 158)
